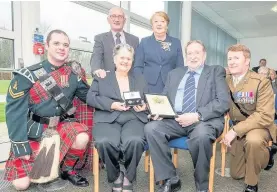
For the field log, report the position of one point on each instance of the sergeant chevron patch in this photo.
(15, 95)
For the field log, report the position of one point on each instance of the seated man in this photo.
(39, 102)
(262, 63)
(200, 96)
(264, 71)
(268, 73)
(252, 113)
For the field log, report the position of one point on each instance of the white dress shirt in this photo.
(122, 37)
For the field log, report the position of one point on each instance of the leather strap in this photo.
(46, 120)
(51, 86)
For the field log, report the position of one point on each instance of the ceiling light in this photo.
(274, 8)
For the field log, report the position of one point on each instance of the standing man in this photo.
(200, 96)
(252, 113)
(102, 57)
(39, 102)
(261, 63)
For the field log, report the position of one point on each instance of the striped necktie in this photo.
(189, 103)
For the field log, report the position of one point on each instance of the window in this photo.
(82, 57)
(140, 32)
(146, 8)
(77, 21)
(6, 54)
(6, 21)
(117, 3)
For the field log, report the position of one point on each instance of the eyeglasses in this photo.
(120, 17)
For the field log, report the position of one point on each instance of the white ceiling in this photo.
(241, 19)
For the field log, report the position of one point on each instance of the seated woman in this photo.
(119, 128)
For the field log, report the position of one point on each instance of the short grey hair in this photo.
(264, 69)
(121, 46)
(113, 8)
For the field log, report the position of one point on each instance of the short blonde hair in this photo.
(161, 14)
(195, 41)
(240, 47)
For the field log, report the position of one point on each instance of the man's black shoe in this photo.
(74, 178)
(272, 151)
(169, 186)
(250, 188)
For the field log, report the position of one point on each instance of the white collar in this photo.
(120, 32)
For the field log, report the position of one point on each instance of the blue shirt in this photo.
(180, 91)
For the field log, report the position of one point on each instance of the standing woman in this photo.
(158, 54)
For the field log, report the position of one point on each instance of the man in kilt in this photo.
(42, 95)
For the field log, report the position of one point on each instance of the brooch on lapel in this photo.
(165, 45)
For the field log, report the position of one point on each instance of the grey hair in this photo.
(197, 42)
(121, 46)
(264, 69)
(119, 8)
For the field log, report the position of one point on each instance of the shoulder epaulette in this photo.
(256, 76)
(76, 67)
(35, 66)
(26, 73)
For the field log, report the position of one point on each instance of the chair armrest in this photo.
(226, 127)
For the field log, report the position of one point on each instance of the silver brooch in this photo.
(166, 46)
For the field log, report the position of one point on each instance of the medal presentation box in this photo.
(132, 98)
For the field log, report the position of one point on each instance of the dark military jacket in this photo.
(26, 95)
(254, 96)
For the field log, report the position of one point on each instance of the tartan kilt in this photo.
(84, 114)
(18, 168)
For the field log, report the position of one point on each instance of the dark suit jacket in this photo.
(255, 69)
(103, 92)
(151, 60)
(274, 86)
(102, 56)
(212, 98)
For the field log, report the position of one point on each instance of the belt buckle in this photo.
(53, 122)
(71, 111)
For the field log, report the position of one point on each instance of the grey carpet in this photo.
(267, 182)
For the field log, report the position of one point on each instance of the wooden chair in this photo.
(180, 143)
(95, 169)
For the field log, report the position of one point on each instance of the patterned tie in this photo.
(117, 41)
(235, 81)
(189, 103)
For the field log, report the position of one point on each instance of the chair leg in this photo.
(146, 161)
(212, 167)
(175, 158)
(223, 159)
(96, 170)
(151, 177)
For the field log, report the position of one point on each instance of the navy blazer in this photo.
(152, 61)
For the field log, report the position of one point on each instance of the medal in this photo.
(64, 81)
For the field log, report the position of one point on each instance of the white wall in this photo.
(264, 47)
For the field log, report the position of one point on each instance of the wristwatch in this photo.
(200, 118)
